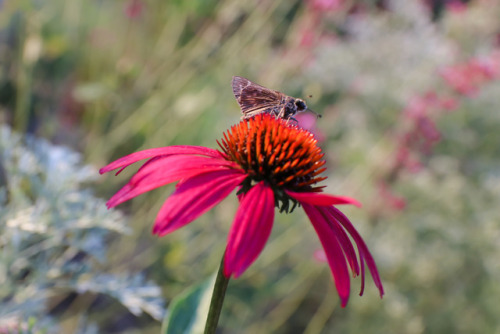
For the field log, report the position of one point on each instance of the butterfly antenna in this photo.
(315, 113)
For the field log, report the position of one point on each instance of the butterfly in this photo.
(255, 99)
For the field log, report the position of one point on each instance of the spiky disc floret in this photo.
(276, 151)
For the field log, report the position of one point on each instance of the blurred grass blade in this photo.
(188, 311)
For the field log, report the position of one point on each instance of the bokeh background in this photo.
(409, 93)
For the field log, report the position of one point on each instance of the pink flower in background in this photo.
(467, 78)
(418, 137)
(407, 159)
(487, 68)
(421, 133)
(272, 163)
(456, 6)
(134, 8)
(326, 5)
(320, 255)
(448, 103)
(457, 77)
(395, 202)
(308, 38)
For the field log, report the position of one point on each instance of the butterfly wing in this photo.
(255, 99)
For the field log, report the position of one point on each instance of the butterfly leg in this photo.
(291, 119)
(281, 113)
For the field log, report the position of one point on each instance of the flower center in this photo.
(275, 151)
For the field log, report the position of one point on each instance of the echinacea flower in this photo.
(272, 163)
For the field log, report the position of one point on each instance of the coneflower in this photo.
(272, 163)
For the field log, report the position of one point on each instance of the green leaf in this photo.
(187, 313)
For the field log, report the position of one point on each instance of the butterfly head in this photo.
(301, 105)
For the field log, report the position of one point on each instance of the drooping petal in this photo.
(194, 197)
(362, 261)
(343, 239)
(127, 160)
(250, 230)
(321, 199)
(165, 170)
(333, 251)
(177, 164)
(364, 253)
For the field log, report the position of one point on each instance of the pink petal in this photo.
(333, 251)
(169, 150)
(250, 230)
(194, 197)
(161, 167)
(131, 190)
(362, 261)
(321, 199)
(164, 170)
(364, 253)
(342, 238)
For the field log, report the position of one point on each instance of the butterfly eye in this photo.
(300, 105)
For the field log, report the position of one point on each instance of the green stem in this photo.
(218, 295)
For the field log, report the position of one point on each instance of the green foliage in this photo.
(188, 311)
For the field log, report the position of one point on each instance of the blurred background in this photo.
(409, 93)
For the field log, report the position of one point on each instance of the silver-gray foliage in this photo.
(54, 233)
